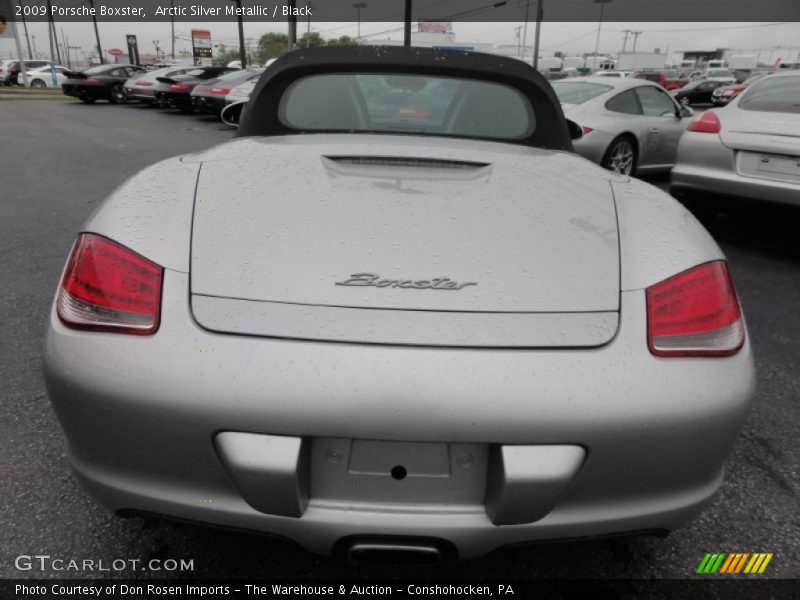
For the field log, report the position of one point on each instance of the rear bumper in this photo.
(174, 99)
(209, 104)
(143, 416)
(705, 165)
(143, 94)
(95, 92)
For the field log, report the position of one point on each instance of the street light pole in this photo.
(97, 34)
(602, 4)
(240, 21)
(25, 25)
(407, 25)
(537, 37)
(358, 6)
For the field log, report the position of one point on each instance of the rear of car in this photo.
(142, 86)
(175, 91)
(210, 97)
(432, 323)
(748, 150)
(105, 82)
(8, 72)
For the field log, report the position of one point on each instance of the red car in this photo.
(724, 94)
(669, 79)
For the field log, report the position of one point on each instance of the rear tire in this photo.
(38, 83)
(117, 95)
(621, 156)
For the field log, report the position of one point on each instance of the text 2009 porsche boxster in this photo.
(397, 314)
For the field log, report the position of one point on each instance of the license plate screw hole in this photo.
(399, 472)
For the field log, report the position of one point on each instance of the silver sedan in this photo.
(629, 125)
(749, 149)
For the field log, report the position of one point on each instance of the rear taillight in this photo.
(91, 81)
(220, 90)
(708, 122)
(144, 83)
(695, 313)
(107, 287)
(179, 87)
(586, 129)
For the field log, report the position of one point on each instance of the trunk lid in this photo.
(364, 222)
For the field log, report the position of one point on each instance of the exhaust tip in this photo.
(391, 553)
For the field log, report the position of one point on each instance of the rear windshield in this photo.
(578, 92)
(773, 94)
(383, 102)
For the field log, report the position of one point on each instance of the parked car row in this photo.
(184, 87)
(749, 148)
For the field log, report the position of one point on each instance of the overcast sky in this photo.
(572, 38)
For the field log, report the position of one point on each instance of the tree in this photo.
(345, 40)
(272, 45)
(315, 39)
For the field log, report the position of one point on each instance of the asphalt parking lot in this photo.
(60, 159)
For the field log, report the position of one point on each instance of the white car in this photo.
(42, 76)
(723, 75)
(614, 73)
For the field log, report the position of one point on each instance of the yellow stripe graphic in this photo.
(752, 566)
(765, 563)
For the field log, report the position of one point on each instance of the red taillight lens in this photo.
(708, 122)
(586, 129)
(221, 90)
(109, 288)
(179, 87)
(695, 313)
(144, 83)
(91, 81)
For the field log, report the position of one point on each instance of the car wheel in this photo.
(118, 95)
(38, 83)
(621, 156)
(684, 100)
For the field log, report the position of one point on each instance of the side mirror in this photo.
(232, 114)
(575, 130)
(685, 112)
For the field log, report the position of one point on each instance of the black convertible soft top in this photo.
(261, 117)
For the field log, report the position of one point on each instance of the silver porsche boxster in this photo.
(398, 316)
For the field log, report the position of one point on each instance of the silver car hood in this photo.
(438, 225)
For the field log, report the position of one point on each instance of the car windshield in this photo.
(578, 92)
(773, 94)
(382, 102)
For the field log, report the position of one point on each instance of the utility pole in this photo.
(517, 34)
(602, 4)
(35, 51)
(292, 25)
(308, 24)
(635, 35)
(358, 6)
(407, 24)
(625, 39)
(23, 71)
(65, 41)
(525, 27)
(172, 25)
(25, 25)
(53, 29)
(97, 35)
(537, 37)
